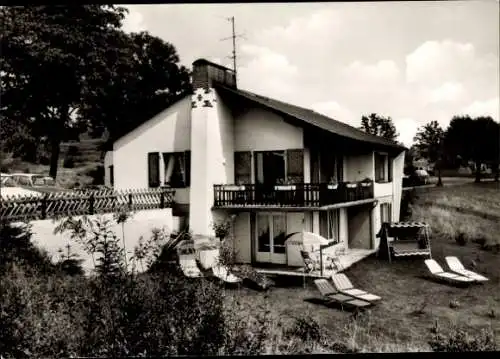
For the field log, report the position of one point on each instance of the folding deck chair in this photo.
(457, 267)
(188, 265)
(438, 273)
(330, 294)
(223, 273)
(344, 286)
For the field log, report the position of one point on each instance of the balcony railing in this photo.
(296, 195)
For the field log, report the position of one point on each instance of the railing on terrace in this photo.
(296, 195)
(53, 205)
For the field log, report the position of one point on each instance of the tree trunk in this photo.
(55, 150)
(440, 180)
(478, 172)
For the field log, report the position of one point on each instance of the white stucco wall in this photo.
(108, 161)
(169, 131)
(382, 189)
(212, 157)
(261, 130)
(141, 224)
(358, 167)
(397, 183)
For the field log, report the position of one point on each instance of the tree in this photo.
(474, 140)
(410, 155)
(379, 126)
(429, 144)
(142, 82)
(48, 54)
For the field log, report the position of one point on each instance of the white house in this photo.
(281, 169)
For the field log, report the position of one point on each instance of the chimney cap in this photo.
(206, 62)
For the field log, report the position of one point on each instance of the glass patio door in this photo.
(271, 233)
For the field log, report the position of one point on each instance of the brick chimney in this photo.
(206, 73)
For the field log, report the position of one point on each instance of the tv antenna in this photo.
(233, 37)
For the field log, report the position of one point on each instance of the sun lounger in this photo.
(457, 267)
(223, 273)
(438, 273)
(188, 265)
(330, 294)
(344, 286)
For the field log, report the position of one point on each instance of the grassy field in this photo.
(412, 304)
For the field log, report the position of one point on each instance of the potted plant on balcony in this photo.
(351, 185)
(284, 186)
(333, 184)
(367, 182)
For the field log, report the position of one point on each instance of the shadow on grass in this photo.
(334, 305)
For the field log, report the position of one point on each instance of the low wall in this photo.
(140, 224)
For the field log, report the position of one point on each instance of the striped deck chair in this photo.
(223, 273)
(330, 294)
(344, 286)
(438, 273)
(457, 267)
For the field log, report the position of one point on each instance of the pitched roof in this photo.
(313, 118)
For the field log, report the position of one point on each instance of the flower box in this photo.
(366, 184)
(234, 188)
(351, 185)
(333, 186)
(208, 258)
(284, 187)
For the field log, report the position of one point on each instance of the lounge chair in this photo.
(311, 261)
(438, 273)
(330, 294)
(344, 286)
(457, 267)
(223, 273)
(188, 265)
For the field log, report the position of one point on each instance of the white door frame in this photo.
(268, 257)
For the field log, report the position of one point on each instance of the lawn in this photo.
(412, 304)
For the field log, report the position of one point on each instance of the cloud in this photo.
(269, 73)
(134, 20)
(407, 129)
(448, 92)
(334, 110)
(489, 107)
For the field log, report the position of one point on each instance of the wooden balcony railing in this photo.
(296, 195)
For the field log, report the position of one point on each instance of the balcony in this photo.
(303, 195)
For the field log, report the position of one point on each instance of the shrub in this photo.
(69, 162)
(461, 239)
(458, 340)
(72, 151)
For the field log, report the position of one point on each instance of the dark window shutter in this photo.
(295, 164)
(243, 167)
(188, 168)
(154, 169)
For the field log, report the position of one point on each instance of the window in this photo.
(177, 169)
(383, 168)
(295, 166)
(385, 212)
(111, 175)
(154, 169)
(273, 167)
(329, 224)
(243, 167)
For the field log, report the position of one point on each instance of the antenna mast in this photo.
(233, 37)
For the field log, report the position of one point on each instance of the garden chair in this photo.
(330, 294)
(457, 267)
(188, 265)
(438, 273)
(344, 286)
(223, 273)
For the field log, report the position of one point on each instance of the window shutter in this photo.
(295, 165)
(187, 163)
(389, 168)
(243, 167)
(154, 169)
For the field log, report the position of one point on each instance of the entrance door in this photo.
(271, 233)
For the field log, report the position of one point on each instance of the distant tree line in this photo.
(465, 140)
(69, 69)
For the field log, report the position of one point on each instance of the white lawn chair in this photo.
(188, 265)
(330, 294)
(438, 273)
(457, 267)
(223, 273)
(344, 286)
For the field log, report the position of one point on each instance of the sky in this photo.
(412, 61)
